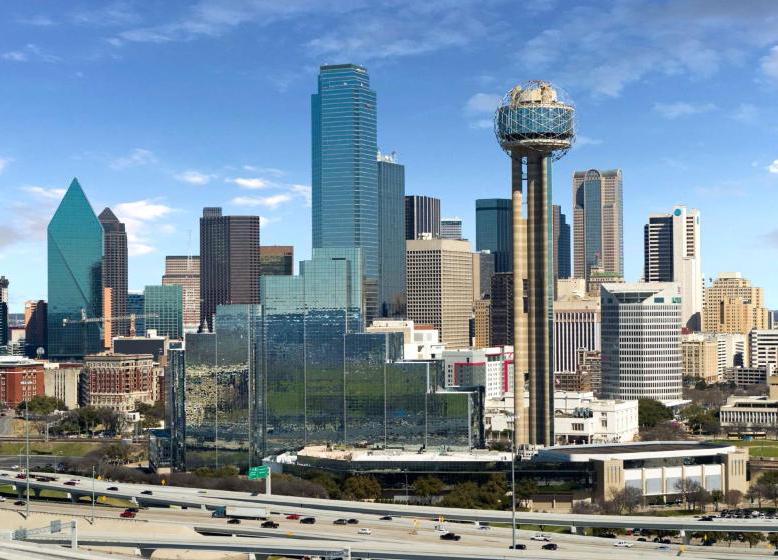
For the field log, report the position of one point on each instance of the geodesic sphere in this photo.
(535, 126)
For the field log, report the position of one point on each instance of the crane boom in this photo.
(131, 318)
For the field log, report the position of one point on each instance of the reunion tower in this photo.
(533, 125)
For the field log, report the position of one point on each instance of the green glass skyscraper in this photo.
(167, 303)
(75, 256)
(391, 236)
(344, 171)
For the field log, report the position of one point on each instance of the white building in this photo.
(578, 418)
(61, 381)
(491, 368)
(576, 323)
(763, 346)
(420, 342)
(672, 254)
(732, 351)
(641, 341)
(760, 412)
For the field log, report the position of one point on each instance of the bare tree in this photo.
(627, 499)
(687, 488)
(733, 497)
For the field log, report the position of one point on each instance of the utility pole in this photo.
(27, 438)
(93, 494)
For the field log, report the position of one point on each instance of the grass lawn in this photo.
(64, 448)
(757, 447)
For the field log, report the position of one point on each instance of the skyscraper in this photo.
(391, 238)
(344, 171)
(494, 230)
(184, 271)
(75, 258)
(561, 244)
(576, 324)
(672, 254)
(598, 230)
(733, 305)
(641, 341)
(34, 327)
(166, 302)
(501, 312)
(229, 262)
(451, 228)
(135, 306)
(114, 274)
(276, 260)
(3, 310)
(422, 215)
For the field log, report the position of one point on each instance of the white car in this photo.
(2, 498)
(441, 528)
(365, 531)
(623, 544)
(540, 537)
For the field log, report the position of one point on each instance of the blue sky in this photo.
(163, 107)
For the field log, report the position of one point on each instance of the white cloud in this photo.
(31, 51)
(272, 201)
(769, 64)
(137, 217)
(194, 177)
(482, 103)
(14, 56)
(136, 158)
(302, 190)
(249, 182)
(44, 193)
(582, 140)
(4, 162)
(143, 210)
(272, 171)
(773, 167)
(746, 113)
(682, 109)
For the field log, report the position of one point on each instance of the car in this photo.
(666, 540)
(540, 537)
(642, 539)
(385, 518)
(517, 546)
(127, 514)
(365, 531)
(2, 498)
(608, 535)
(147, 492)
(20, 503)
(21, 475)
(450, 537)
(340, 522)
(353, 521)
(550, 546)
(233, 521)
(269, 525)
(69, 483)
(202, 492)
(483, 527)
(112, 488)
(132, 509)
(293, 516)
(705, 518)
(308, 520)
(663, 547)
(623, 544)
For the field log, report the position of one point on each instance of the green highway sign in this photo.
(259, 472)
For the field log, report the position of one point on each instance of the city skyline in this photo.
(158, 173)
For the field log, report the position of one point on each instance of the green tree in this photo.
(462, 495)
(427, 486)
(627, 499)
(329, 483)
(753, 539)
(767, 486)
(362, 488)
(40, 405)
(716, 496)
(772, 538)
(651, 412)
(525, 489)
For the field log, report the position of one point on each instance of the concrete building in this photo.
(598, 230)
(422, 215)
(699, 357)
(578, 381)
(641, 341)
(763, 347)
(749, 413)
(599, 276)
(61, 381)
(590, 365)
(490, 368)
(20, 380)
(114, 276)
(184, 271)
(483, 270)
(451, 228)
(481, 335)
(439, 287)
(276, 260)
(152, 344)
(672, 254)
(655, 467)
(117, 381)
(742, 376)
(35, 333)
(576, 324)
(733, 305)
(732, 351)
(420, 342)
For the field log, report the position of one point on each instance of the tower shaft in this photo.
(521, 434)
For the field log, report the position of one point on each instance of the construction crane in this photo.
(131, 318)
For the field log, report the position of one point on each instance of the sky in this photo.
(163, 107)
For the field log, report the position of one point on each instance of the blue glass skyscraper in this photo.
(75, 256)
(344, 172)
(391, 236)
(494, 230)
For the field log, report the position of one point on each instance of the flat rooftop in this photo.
(628, 451)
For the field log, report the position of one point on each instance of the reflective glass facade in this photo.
(391, 222)
(75, 256)
(494, 230)
(135, 306)
(344, 171)
(167, 302)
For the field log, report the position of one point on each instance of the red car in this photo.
(127, 514)
(70, 483)
(21, 475)
(294, 516)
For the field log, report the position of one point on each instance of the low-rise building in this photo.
(20, 380)
(590, 366)
(699, 357)
(741, 376)
(759, 412)
(490, 368)
(420, 342)
(62, 382)
(117, 381)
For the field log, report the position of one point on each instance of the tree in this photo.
(669, 430)
(627, 499)
(716, 496)
(688, 489)
(700, 497)
(767, 486)
(583, 507)
(752, 538)
(754, 493)
(525, 489)
(772, 538)
(362, 488)
(427, 486)
(462, 495)
(40, 405)
(652, 412)
(733, 497)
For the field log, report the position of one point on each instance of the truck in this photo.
(240, 512)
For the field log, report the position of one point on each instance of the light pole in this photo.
(93, 494)
(513, 489)
(27, 440)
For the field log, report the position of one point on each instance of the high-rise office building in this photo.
(114, 275)
(576, 324)
(135, 306)
(344, 171)
(440, 287)
(229, 262)
(184, 271)
(672, 254)
(501, 310)
(35, 335)
(451, 228)
(422, 215)
(164, 310)
(4, 283)
(733, 305)
(494, 230)
(561, 243)
(75, 258)
(481, 332)
(483, 270)
(641, 341)
(763, 348)
(598, 229)
(276, 260)
(391, 238)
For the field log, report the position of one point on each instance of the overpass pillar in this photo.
(573, 530)
(73, 497)
(686, 536)
(252, 556)
(19, 491)
(146, 552)
(36, 492)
